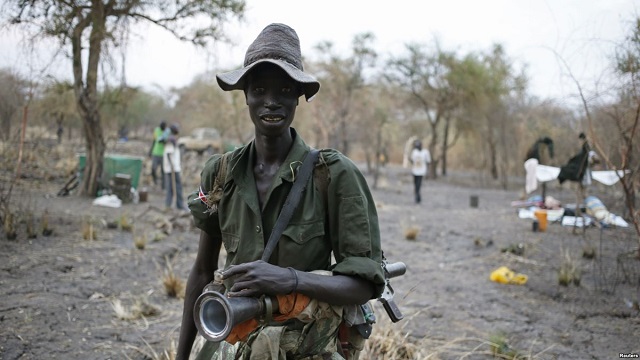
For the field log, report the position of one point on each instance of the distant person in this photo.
(59, 133)
(420, 159)
(578, 168)
(539, 153)
(157, 152)
(123, 134)
(172, 168)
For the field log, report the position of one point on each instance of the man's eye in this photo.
(286, 90)
(259, 89)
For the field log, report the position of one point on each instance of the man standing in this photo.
(420, 159)
(172, 168)
(240, 210)
(157, 151)
(539, 153)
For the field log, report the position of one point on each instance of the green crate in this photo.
(117, 164)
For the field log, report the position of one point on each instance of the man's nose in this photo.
(271, 102)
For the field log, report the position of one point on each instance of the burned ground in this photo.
(83, 294)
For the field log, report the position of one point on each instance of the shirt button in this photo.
(258, 229)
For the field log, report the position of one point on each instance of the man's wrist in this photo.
(295, 284)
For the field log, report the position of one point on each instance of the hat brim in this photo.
(234, 80)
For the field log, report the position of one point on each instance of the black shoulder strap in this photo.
(291, 203)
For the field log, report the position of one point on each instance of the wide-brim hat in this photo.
(277, 44)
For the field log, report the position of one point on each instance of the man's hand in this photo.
(259, 278)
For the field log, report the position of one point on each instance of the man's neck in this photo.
(271, 150)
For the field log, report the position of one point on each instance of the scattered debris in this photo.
(504, 275)
(108, 200)
(516, 249)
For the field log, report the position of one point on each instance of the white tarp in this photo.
(608, 177)
(546, 173)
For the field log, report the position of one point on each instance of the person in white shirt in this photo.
(420, 159)
(172, 169)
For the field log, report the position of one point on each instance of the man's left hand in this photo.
(259, 278)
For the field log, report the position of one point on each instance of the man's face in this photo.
(272, 97)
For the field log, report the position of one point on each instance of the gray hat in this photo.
(277, 44)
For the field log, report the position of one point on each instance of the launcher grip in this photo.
(392, 310)
(390, 271)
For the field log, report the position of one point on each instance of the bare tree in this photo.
(13, 93)
(345, 76)
(206, 105)
(57, 103)
(89, 27)
(425, 76)
(620, 148)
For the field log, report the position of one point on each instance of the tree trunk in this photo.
(95, 154)
(493, 160)
(376, 169)
(87, 95)
(445, 146)
(344, 137)
(433, 165)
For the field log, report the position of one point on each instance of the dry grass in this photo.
(569, 271)
(173, 285)
(8, 225)
(501, 349)
(30, 226)
(158, 236)
(124, 223)
(149, 353)
(140, 242)
(140, 308)
(588, 251)
(411, 233)
(46, 227)
(390, 341)
(89, 231)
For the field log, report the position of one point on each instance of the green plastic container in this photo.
(117, 164)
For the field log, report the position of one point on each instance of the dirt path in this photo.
(58, 294)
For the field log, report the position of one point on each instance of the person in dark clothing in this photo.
(539, 153)
(536, 152)
(578, 166)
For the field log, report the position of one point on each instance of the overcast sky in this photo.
(533, 32)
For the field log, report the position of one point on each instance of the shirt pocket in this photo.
(301, 233)
(230, 242)
(354, 234)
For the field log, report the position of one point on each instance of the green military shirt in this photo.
(347, 225)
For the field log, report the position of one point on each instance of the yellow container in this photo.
(541, 215)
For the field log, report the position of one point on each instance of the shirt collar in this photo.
(296, 155)
(291, 164)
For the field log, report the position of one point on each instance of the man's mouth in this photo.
(272, 118)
